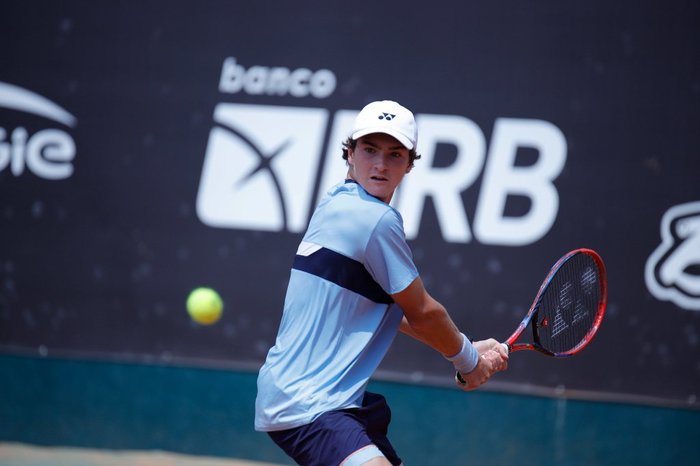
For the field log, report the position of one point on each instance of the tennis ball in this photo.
(204, 306)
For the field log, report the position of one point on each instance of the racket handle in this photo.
(505, 345)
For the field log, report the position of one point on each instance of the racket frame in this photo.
(534, 308)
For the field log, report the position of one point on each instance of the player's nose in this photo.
(383, 160)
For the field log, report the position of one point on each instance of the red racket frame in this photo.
(510, 342)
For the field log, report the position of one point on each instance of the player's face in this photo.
(378, 163)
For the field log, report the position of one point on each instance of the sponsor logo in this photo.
(48, 153)
(266, 167)
(259, 165)
(263, 80)
(672, 271)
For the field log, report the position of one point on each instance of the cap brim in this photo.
(380, 129)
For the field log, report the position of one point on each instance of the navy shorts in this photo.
(335, 435)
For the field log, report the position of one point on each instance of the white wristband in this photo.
(466, 360)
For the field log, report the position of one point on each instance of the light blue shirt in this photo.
(338, 320)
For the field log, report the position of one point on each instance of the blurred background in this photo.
(148, 148)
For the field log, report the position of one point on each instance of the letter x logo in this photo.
(386, 116)
(260, 167)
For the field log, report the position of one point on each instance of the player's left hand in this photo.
(493, 357)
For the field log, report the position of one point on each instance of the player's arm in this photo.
(426, 320)
(482, 345)
(406, 329)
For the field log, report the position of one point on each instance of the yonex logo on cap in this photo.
(394, 120)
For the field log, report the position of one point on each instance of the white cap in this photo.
(388, 117)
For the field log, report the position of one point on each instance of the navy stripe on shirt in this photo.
(343, 271)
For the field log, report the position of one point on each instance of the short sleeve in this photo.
(387, 256)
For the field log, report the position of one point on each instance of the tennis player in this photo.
(353, 286)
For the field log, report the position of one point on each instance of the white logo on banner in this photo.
(266, 167)
(672, 271)
(278, 80)
(259, 166)
(47, 153)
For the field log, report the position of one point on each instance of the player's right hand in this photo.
(483, 346)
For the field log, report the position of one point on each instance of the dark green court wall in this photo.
(60, 402)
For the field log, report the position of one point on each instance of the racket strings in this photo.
(569, 305)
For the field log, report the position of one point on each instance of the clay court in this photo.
(16, 454)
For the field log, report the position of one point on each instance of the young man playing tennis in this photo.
(353, 285)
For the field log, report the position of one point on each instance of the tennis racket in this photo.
(568, 308)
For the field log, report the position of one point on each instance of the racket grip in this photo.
(505, 345)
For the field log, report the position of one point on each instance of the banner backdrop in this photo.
(148, 148)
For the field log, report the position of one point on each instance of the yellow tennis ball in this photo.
(205, 306)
